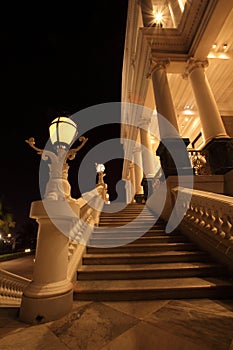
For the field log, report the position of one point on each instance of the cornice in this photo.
(179, 40)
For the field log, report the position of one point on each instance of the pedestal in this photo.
(220, 155)
(174, 157)
(139, 197)
(50, 294)
(147, 184)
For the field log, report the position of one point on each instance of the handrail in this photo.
(91, 204)
(208, 216)
(11, 288)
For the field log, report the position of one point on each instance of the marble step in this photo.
(144, 258)
(105, 240)
(105, 234)
(129, 228)
(142, 271)
(149, 289)
(140, 248)
(133, 224)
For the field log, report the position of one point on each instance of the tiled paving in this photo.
(192, 324)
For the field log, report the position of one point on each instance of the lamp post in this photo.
(62, 133)
(49, 295)
(100, 168)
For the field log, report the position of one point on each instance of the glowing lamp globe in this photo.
(62, 131)
(100, 168)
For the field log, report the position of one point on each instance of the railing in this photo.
(11, 288)
(208, 217)
(91, 205)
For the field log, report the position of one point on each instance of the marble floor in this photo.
(188, 324)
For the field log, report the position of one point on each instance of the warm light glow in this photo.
(224, 46)
(181, 4)
(158, 17)
(100, 168)
(62, 130)
(214, 46)
(27, 250)
(219, 55)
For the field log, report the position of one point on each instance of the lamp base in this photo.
(42, 310)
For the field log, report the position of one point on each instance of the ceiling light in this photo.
(224, 46)
(214, 46)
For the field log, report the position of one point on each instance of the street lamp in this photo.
(49, 295)
(63, 131)
(100, 171)
(100, 168)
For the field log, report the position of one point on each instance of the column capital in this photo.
(194, 63)
(156, 65)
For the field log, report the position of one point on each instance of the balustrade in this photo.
(11, 288)
(211, 212)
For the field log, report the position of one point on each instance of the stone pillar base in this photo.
(139, 198)
(51, 308)
(147, 183)
(182, 162)
(220, 155)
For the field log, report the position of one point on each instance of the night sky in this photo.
(54, 59)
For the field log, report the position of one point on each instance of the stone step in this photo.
(149, 289)
(131, 225)
(144, 258)
(129, 229)
(130, 257)
(105, 240)
(139, 248)
(142, 271)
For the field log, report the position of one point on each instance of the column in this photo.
(132, 180)
(163, 99)
(217, 143)
(211, 121)
(148, 158)
(147, 152)
(171, 145)
(138, 171)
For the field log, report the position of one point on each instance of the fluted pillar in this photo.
(211, 121)
(147, 151)
(163, 99)
(168, 127)
(148, 158)
(132, 180)
(217, 142)
(138, 172)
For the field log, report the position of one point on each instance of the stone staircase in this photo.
(130, 257)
